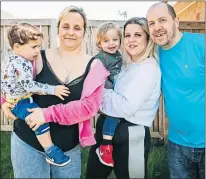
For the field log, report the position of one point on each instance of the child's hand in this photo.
(61, 91)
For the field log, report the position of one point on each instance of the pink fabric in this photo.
(2, 100)
(34, 69)
(81, 111)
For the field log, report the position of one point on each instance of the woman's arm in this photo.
(75, 111)
(138, 89)
(85, 108)
(79, 110)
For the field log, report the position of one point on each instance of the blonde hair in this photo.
(103, 29)
(150, 50)
(22, 33)
(68, 10)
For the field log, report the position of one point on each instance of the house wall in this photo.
(196, 12)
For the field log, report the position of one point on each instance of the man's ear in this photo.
(177, 22)
(16, 46)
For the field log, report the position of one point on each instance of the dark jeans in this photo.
(21, 112)
(186, 162)
(110, 124)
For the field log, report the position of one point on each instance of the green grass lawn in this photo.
(157, 162)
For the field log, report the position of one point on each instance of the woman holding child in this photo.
(85, 77)
(134, 100)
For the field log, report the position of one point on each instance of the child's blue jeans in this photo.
(110, 125)
(20, 110)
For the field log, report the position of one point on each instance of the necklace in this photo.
(67, 79)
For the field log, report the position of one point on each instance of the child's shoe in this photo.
(104, 152)
(56, 156)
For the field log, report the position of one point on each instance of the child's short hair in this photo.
(22, 33)
(103, 29)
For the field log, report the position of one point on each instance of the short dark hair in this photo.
(171, 11)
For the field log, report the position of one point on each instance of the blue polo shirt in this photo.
(183, 87)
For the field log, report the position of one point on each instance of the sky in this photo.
(95, 10)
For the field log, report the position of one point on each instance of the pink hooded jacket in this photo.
(81, 111)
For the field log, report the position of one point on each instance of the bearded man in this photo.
(182, 63)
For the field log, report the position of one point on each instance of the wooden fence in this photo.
(48, 27)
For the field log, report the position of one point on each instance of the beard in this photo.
(170, 38)
(167, 40)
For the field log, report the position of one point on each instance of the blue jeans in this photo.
(186, 162)
(110, 125)
(28, 162)
(21, 112)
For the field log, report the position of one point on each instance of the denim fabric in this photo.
(27, 162)
(186, 162)
(110, 125)
(21, 112)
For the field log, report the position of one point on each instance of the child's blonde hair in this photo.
(103, 29)
(22, 33)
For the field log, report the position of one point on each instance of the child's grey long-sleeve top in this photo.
(17, 79)
(113, 63)
(136, 93)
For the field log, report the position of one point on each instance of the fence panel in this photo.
(48, 27)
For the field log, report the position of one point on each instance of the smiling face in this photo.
(135, 41)
(162, 26)
(111, 41)
(71, 30)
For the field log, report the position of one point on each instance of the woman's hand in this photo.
(6, 107)
(35, 119)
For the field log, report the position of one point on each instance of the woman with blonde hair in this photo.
(69, 119)
(135, 99)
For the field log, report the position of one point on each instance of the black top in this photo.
(65, 137)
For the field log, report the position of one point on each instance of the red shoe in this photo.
(104, 152)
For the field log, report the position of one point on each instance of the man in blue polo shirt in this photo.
(181, 58)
